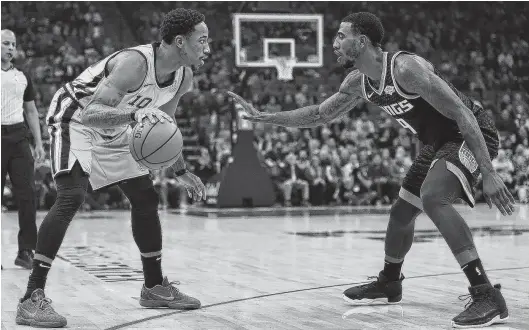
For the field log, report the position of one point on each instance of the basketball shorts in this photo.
(102, 153)
(459, 160)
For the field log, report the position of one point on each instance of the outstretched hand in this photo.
(252, 114)
(495, 192)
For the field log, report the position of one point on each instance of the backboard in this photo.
(283, 41)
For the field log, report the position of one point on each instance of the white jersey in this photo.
(151, 93)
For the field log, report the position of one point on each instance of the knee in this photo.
(145, 200)
(25, 194)
(431, 198)
(71, 198)
(403, 213)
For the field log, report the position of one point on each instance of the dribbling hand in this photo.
(151, 114)
(252, 114)
(194, 186)
(495, 192)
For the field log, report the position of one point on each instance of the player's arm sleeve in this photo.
(29, 92)
(415, 77)
(129, 70)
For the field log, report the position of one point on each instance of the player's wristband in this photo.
(133, 115)
(181, 172)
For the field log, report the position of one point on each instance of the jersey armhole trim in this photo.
(364, 87)
(397, 88)
(182, 81)
(105, 69)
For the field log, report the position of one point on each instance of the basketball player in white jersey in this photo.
(90, 122)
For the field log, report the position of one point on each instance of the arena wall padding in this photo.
(246, 182)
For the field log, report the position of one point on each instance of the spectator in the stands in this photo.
(294, 178)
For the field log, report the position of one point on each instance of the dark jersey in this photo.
(412, 111)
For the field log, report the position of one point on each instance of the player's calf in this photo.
(381, 290)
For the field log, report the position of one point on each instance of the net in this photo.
(284, 66)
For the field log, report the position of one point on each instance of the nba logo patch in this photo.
(389, 90)
(467, 158)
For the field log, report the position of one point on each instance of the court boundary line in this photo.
(159, 316)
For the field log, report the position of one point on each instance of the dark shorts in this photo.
(459, 160)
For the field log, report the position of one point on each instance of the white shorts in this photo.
(102, 153)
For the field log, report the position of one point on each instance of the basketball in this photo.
(156, 146)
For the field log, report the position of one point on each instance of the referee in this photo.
(17, 160)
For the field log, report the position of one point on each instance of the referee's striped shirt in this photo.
(16, 89)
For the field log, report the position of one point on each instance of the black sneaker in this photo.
(485, 307)
(380, 290)
(24, 259)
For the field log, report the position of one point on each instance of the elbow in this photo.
(85, 119)
(323, 117)
(86, 116)
(31, 112)
(465, 121)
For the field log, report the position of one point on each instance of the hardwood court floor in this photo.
(269, 272)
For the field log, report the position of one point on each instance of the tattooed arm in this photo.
(314, 115)
(303, 117)
(417, 76)
(127, 72)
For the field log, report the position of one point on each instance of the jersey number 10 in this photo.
(141, 104)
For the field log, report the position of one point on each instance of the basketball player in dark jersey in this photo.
(90, 125)
(460, 141)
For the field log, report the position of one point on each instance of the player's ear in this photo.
(179, 41)
(363, 40)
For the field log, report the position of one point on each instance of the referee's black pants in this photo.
(17, 160)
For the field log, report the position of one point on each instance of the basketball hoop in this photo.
(284, 66)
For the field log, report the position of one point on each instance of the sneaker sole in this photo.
(167, 304)
(495, 319)
(33, 323)
(363, 302)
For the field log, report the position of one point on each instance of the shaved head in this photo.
(7, 33)
(9, 44)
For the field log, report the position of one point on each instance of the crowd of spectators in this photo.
(358, 159)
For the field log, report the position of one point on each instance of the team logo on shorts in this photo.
(467, 158)
(389, 90)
